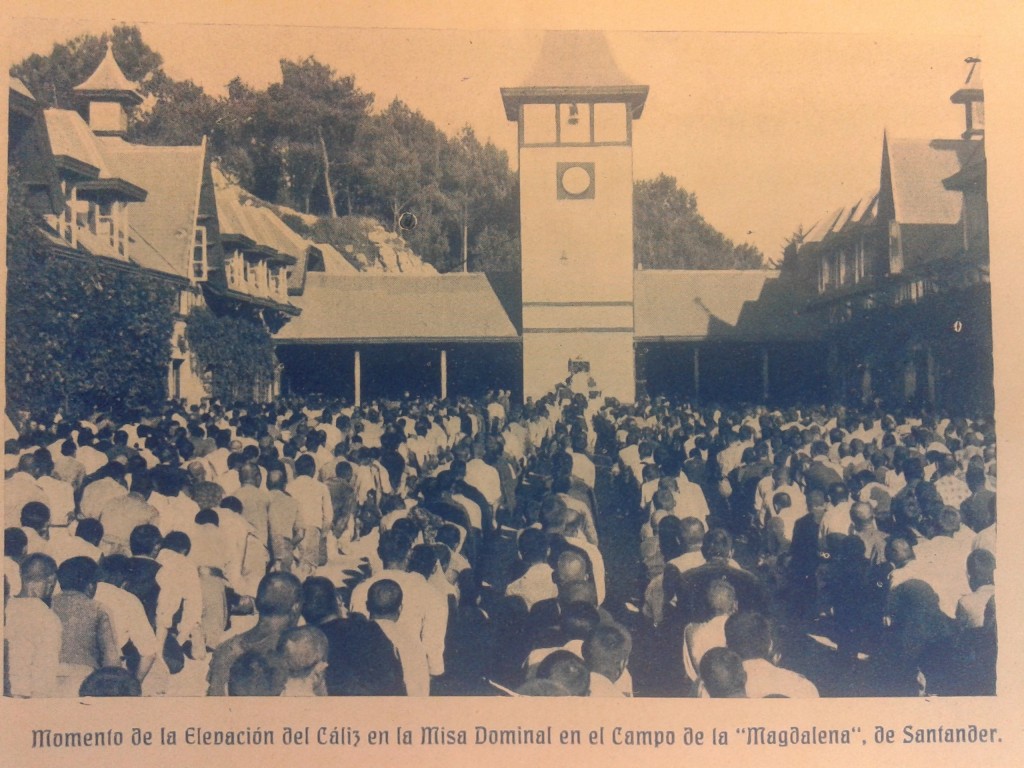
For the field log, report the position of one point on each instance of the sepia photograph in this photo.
(448, 361)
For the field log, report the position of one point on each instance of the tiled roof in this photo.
(70, 136)
(576, 58)
(736, 305)
(334, 262)
(382, 308)
(240, 218)
(108, 79)
(166, 221)
(918, 168)
(574, 62)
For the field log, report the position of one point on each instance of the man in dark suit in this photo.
(361, 661)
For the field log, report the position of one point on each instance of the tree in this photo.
(670, 233)
(181, 114)
(478, 184)
(53, 77)
(399, 156)
(81, 333)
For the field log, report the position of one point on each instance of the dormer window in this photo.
(200, 264)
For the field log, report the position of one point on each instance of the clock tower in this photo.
(575, 118)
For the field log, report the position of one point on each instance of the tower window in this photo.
(574, 123)
(610, 123)
(539, 124)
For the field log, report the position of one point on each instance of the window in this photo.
(574, 123)
(895, 248)
(233, 270)
(610, 123)
(539, 124)
(200, 267)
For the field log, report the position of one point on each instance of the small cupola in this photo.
(972, 95)
(110, 95)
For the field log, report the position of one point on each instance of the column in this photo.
(929, 362)
(696, 372)
(357, 374)
(764, 374)
(444, 374)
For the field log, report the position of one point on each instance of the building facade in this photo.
(902, 277)
(153, 211)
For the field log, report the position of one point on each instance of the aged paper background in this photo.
(1000, 25)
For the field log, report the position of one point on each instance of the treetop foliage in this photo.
(314, 142)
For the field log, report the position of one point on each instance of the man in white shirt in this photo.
(748, 634)
(22, 487)
(981, 568)
(180, 586)
(127, 616)
(537, 583)
(700, 637)
(60, 493)
(384, 604)
(606, 654)
(425, 609)
(481, 474)
(177, 512)
(33, 632)
(316, 513)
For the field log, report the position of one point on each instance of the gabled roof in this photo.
(397, 308)
(734, 305)
(917, 169)
(71, 137)
(109, 81)
(19, 87)
(822, 228)
(166, 222)
(334, 262)
(257, 228)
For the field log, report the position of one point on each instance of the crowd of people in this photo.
(569, 546)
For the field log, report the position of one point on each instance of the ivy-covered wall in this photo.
(235, 351)
(81, 334)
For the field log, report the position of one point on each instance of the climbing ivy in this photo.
(235, 350)
(82, 333)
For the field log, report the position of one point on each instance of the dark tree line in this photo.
(314, 142)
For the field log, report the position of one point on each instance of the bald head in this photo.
(38, 576)
(249, 474)
(862, 515)
(276, 480)
(571, 567)
(723, 675)
(567, 670)
(721, 597)
(303, 650)
(899, 552)
(384, 600)
(279, 595)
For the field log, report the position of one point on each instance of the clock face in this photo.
(575, 181)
